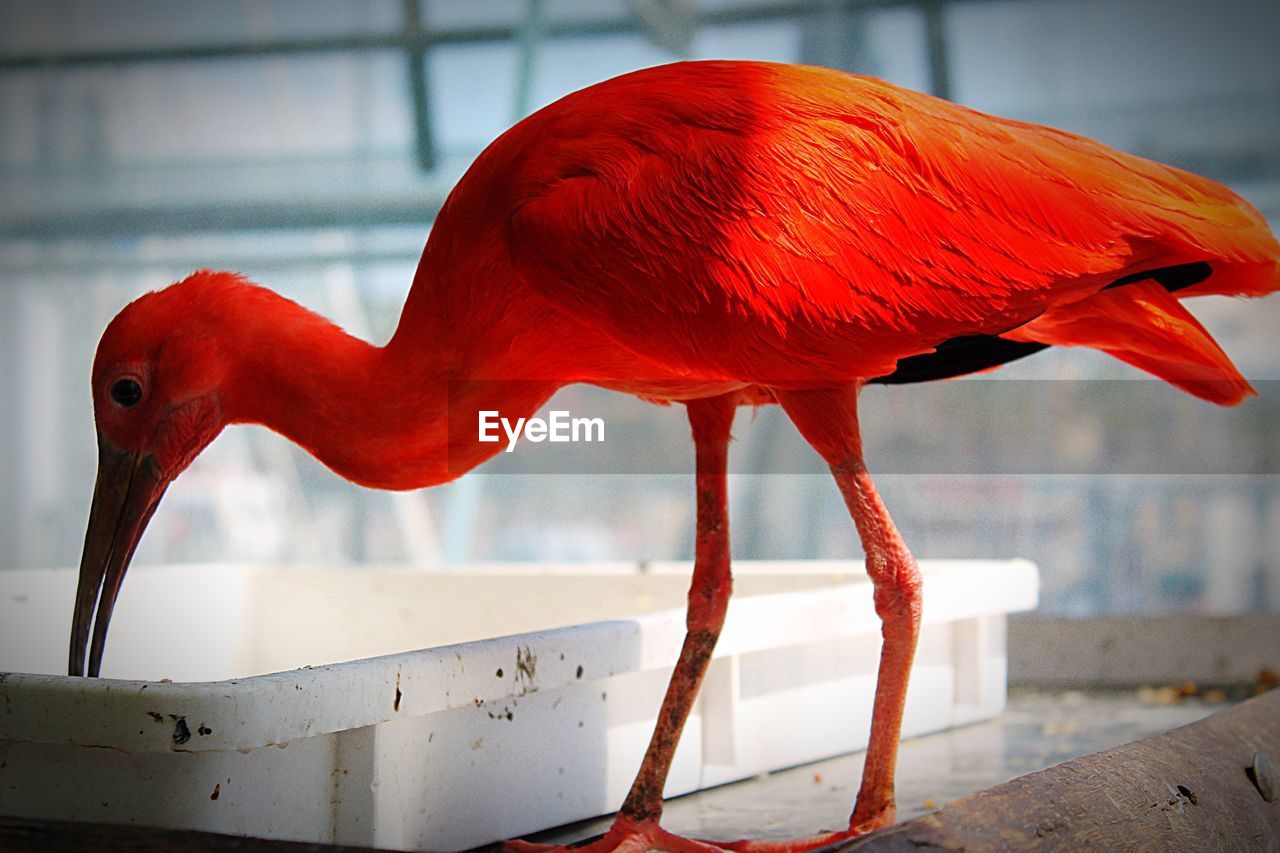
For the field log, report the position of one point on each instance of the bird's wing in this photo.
(1145, 325)
(775, 222)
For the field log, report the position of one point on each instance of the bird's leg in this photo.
(708, 601)
(828, 419)
(636, 826)
(898, 601)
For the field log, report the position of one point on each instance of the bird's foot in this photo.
(628, 836)
(625, 836)
(821, 841)
(793, 845)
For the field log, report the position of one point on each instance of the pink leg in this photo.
(829, 421)
(636, 827)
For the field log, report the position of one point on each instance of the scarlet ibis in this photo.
(715, 234)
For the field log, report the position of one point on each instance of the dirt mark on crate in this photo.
(181, 734)
(526, 669)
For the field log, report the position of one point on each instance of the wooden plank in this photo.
(1192, 788)
(20, 834)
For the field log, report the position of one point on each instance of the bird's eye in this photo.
(126, 393)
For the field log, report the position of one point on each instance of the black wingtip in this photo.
(958, 357)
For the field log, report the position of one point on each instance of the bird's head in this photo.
(157, 404)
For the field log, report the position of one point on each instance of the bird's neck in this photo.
(382, 417)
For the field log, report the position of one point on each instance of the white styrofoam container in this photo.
(464, 740)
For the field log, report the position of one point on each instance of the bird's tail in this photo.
(1145, 325)
(1213, 242)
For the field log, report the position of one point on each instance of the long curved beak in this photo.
(128, 491)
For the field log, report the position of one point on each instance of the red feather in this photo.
(781, 225)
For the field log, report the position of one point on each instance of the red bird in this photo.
(712, 233)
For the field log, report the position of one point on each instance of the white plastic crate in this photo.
(466, 740)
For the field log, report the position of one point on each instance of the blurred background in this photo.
(309, 144)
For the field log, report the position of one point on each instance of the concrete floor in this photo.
(1037, 730)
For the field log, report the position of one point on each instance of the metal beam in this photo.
(419, 93)
(47, 265)
(228, 216)
(936, 46)
(530, 36)
(407, 204)
(420, 39)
